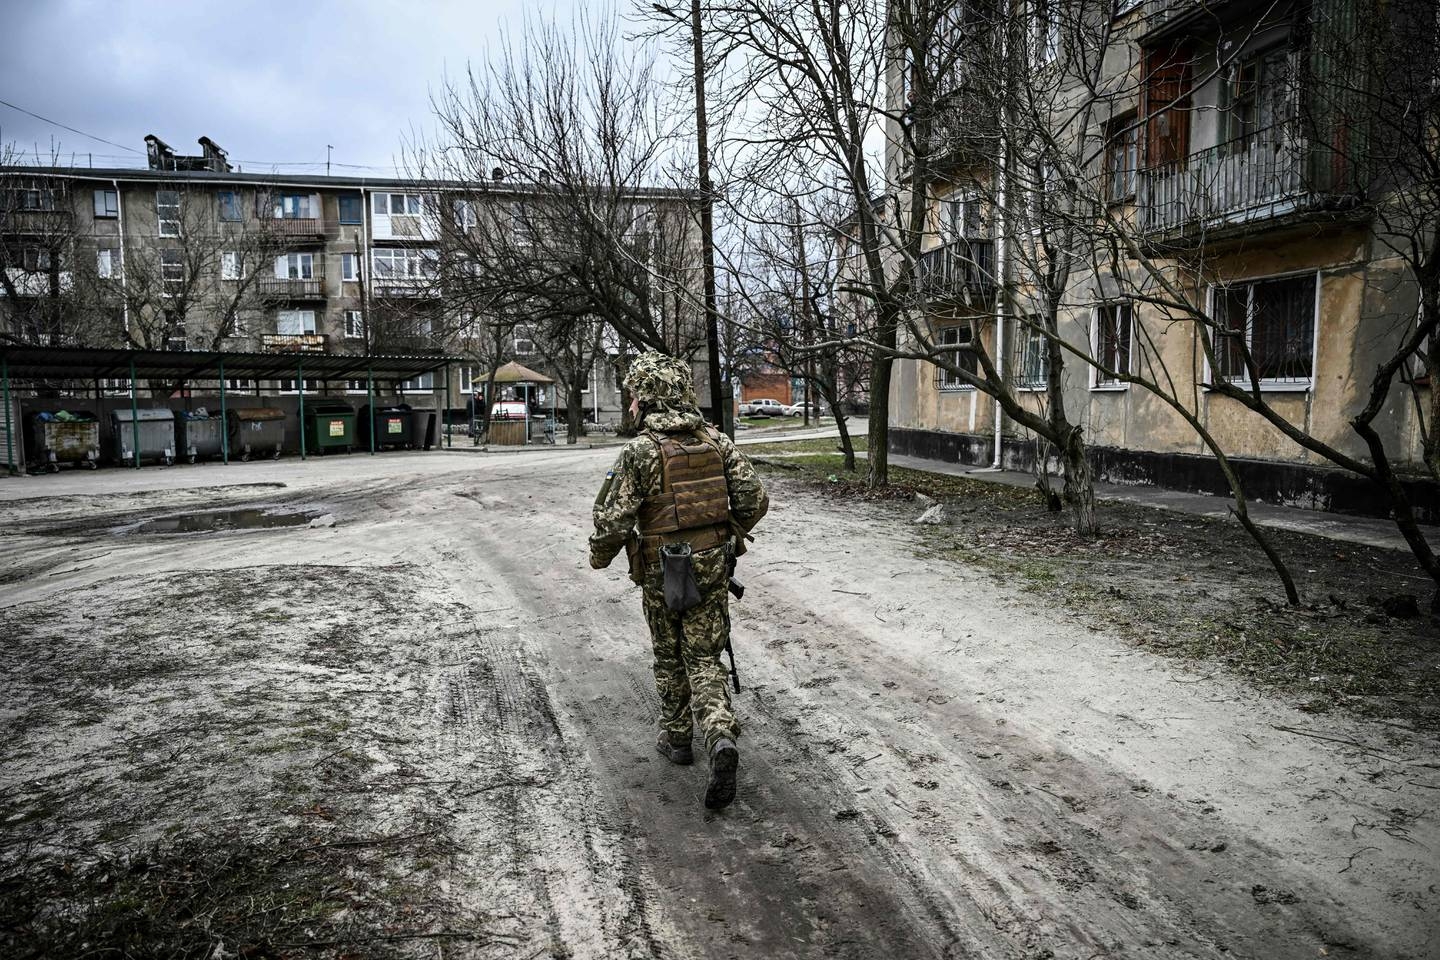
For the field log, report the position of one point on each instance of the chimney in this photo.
(159, 154)
(214, 157)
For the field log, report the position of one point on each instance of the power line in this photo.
(63, 126)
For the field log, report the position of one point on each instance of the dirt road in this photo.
(932, 765)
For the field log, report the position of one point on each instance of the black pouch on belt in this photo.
(681, 591)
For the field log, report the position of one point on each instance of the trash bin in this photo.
(331, 427)
(422, 427)
(65, 436)
(390, 426)
(198, 434)
(256, 432)
(155, 430)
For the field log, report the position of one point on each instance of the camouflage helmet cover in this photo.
(654, 377)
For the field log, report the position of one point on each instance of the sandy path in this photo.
(932, 764)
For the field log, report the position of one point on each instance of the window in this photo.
(231, 384)
(964, 359)
(229, 205)
(295, 266)
(107, 204)
(397, 204)
(423, 383)
(36, 258)
(175, 333)
(105, 263)
(235, 326)
(172, 268)
(229, 265)
(1122, 157)
(465, 218)
(295, 322)
(353, 324)
(288, 386)
(1045, 23)
(167, 212)
(294, 206)
(396, 263)
(351, 210)
(36, 199)
(1258, 99)
(1034, 357)
(349, 266)
(468, 378)
(524, 341)
(960, 217)
(1275, 320)
(1112, 342)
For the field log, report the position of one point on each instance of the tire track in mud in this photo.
(500, 724)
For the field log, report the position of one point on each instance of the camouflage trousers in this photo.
(688, 673)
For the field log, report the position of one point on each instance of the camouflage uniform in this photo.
(688, 673)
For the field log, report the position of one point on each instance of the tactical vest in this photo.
(693, 503)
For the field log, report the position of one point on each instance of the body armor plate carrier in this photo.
(693, 504)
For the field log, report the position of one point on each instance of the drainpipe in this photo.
(120, 223)
(362, 269)
(1002, 260)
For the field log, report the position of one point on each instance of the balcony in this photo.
(964, 129)
(35, 283)
(294, 343)
(296, 288)
(961, 271)
(413, 289)
(301, 228)
(1268, 175)
(37, 223)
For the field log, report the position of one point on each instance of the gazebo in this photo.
(511, 432)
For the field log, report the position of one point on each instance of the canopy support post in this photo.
(300, 386)
(370, 406)
(134, 416)
(445, 410)
(224, 420)
(9, 426)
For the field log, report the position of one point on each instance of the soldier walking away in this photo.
(680, 501)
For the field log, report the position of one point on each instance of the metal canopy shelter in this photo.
(23, 362)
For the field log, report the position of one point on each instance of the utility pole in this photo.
(718, 395)
(328, 148)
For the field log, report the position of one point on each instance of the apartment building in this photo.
(191, 253)
(1228, 194)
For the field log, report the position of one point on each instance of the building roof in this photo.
(23, 362)
(213, 178)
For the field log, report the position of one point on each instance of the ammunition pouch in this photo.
(682, 593)
(635, 559)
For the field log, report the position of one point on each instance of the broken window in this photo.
(1275, 320)
(963, 359)
(1112, 342)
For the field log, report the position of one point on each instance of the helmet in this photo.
(655, 377)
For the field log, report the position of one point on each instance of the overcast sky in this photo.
(271, 82)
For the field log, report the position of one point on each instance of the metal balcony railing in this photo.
(1256, 177)
(294, 343)
(296, 288)
(962, 270)
(415, 289)
(301, 228)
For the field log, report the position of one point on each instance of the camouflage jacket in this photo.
(636, 475)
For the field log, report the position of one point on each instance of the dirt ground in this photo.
(413, 722)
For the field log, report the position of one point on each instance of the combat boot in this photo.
(674, 749)
(724, 760)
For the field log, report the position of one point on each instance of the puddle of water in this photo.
(219, 520)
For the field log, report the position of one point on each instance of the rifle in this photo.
(737, 590)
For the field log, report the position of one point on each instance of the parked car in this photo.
(798, 410)
(765, 407)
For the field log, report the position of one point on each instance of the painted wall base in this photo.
(1282, 484)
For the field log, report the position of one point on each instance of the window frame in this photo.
(1023, 381)
(228, 207)
(353, 274)
(1097, 384)
(944, 380)
(299, 265)
(229, 265)
(160, 219)
(1122, 131)
(358, 316)
(166, 264)
(279, 209)
(109, 212)
(359, 203)
(1267, 385)
(105, 262)
(302, 332)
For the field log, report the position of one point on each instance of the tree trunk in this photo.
(878, 452)
(847, 445)
(1079, 489)
(574, 411)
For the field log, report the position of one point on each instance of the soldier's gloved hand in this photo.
(596, 563)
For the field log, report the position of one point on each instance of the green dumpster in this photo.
(331, 427)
